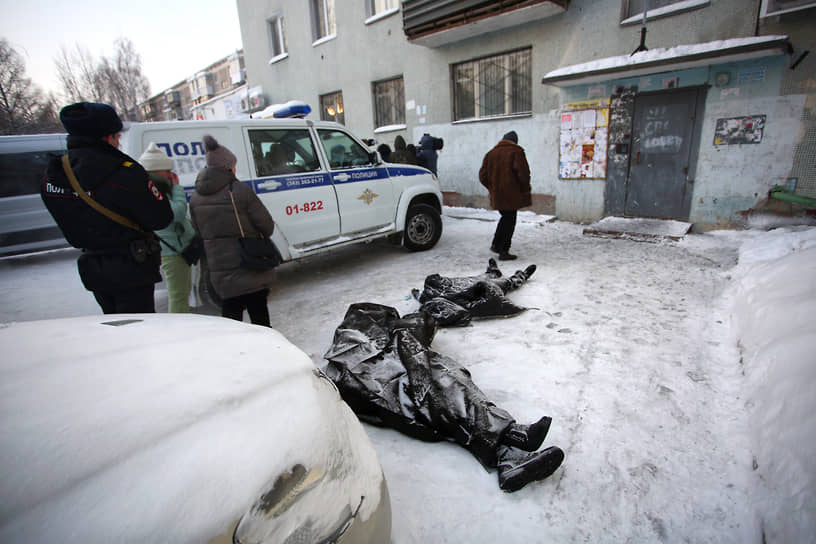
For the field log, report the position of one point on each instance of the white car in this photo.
(177, 428)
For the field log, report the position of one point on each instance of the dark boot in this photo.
(517, 469)
(527, 437)
(507, 256)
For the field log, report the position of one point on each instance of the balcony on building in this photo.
(434, 23)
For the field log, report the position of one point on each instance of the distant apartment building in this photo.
(219, 91)
(687, 109)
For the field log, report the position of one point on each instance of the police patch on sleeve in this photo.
(154, 190)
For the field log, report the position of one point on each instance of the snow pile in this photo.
(774, 290)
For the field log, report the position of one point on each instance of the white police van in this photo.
(25, 224)
(323, 187)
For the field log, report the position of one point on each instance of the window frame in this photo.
(398, 105)
(340, 114)
(276, 33)
(459, 115)
(675, 8)
(261, 140)
(769, 8)
(328, 30)
(372, 15)
(355, 156)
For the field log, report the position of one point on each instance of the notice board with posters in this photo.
(739, 130)
(584, 140)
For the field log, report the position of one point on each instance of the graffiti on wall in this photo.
(739, 130)
(584, 140)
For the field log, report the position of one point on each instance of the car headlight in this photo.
(293, 511)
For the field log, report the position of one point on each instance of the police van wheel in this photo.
(423, 227)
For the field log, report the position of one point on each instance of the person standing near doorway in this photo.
(506, 175)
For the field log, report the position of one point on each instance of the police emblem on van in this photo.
(368, 196)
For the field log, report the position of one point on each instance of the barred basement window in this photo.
(389, 102)
(493, 86)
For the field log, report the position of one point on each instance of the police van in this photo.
(322, 185)
(25, 224)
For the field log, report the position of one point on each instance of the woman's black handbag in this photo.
(194, 250)
(257, 252)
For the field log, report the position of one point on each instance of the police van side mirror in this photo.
(373, 157)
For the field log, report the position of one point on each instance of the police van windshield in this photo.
(283, 151)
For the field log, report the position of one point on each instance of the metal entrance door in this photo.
(664, 149)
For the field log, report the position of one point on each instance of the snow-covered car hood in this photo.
(151, 428)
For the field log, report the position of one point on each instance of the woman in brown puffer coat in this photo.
(213, 217)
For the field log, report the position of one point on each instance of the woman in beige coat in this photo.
(211, 209)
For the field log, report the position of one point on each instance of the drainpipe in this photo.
(642, 46)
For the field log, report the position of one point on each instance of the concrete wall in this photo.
(363, 53)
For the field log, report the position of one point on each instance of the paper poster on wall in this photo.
(583, 143)
(739, 130)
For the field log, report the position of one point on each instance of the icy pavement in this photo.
(630, 347)
(629, 351)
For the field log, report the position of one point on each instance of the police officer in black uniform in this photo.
(119, 264)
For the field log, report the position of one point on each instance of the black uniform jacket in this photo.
(120, 184)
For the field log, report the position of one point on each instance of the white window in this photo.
(277, 36)
(493, 86)
(632, 10)
(776, 7)
(323, 25)
(379, 7)
(389, 102)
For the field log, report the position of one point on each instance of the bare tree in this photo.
(77, 72)
(23, 107)
(123, 80)
(117, 80)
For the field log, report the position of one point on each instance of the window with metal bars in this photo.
(389, 102)
(331, 108)
(493, 86)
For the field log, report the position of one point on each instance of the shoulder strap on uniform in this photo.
(66, 166)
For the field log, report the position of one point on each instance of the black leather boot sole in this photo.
(535, 466)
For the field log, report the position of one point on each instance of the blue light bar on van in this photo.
(293, 108)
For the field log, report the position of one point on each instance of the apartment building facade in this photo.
(691, 111)
(218, 91)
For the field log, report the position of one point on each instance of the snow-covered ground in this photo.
(679, 375)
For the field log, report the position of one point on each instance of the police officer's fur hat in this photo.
(90, 119)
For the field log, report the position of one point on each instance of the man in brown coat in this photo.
(506, 175)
